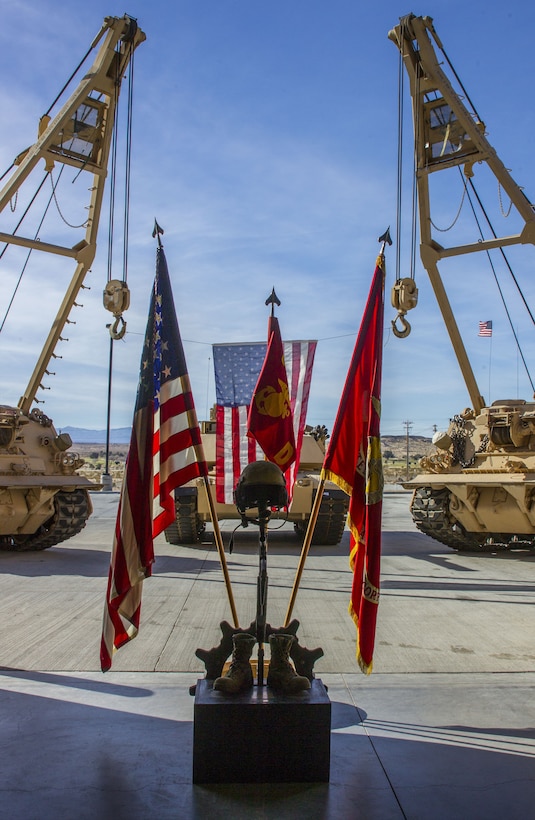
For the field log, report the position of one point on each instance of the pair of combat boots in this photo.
(282, 676)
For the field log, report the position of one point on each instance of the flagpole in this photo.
(220, 548)
(213, 515)
(490, 365)
(305, 549)
(384, 239)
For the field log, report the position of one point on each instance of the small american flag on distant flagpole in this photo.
(237, 368)
(165, 452)
(485, 329)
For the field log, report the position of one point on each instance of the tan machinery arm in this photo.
(447, 134)
(79, 135)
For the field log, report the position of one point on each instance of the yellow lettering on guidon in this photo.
(284, 455)
(370, 592)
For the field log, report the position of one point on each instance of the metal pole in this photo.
(408, 425)
(107, 483)
(261, 594)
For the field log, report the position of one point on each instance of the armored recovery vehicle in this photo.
(477, 491)
(192, 511)
(43, 498)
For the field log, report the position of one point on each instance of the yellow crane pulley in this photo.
(404, 297)
(116, 299)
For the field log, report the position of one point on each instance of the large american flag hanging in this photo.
(237, 368)
(165, 452)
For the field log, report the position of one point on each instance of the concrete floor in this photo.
(443, 728)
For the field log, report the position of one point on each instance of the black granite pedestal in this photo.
(260, 736)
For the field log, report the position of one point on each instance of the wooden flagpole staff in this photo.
(384, 239)
(220, 547)
(206, 482)
(305, 549)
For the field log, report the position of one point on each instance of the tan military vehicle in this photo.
(43, 499)
(477, 491)
(192, 511)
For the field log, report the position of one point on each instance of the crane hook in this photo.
(401, 334)
(118, 328)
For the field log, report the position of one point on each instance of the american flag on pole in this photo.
(485, 329)
(165, 452)
(237, 368)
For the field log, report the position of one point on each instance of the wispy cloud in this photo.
(265, 144)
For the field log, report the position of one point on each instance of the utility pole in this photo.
(408, 425)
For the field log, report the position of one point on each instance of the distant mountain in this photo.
(79, 435)
(121, 435)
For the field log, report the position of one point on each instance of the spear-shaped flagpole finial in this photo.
(386, 239)
(273, 300)
(157, 232)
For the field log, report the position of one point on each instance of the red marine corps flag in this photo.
(236, 369)
(165, 452)
(270, 419)
(353, 462)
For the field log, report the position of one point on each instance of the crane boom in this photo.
(79, 135)
(447, 134)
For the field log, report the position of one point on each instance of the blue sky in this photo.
(265, 142)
